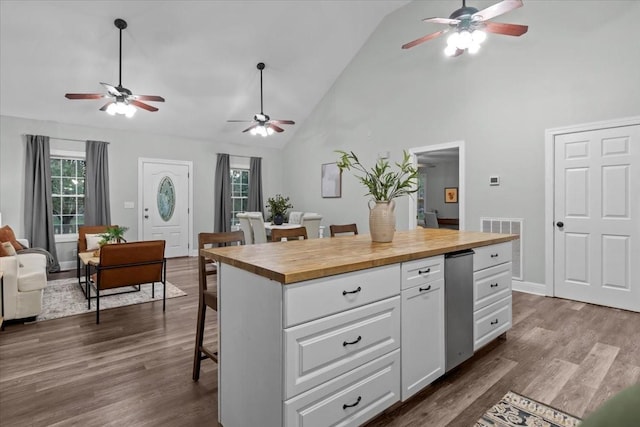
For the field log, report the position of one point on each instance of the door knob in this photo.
(146, 217)
(560, 224)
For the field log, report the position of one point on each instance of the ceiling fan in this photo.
(263, 124)
(470, 27)
(121, 100)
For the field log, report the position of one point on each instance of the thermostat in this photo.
(494, 180)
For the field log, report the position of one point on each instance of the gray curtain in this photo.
(222, 194)
(97, 207)
(38, 204)
(255, 202)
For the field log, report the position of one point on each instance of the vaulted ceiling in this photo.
(200, 56)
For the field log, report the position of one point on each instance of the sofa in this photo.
(24, 278)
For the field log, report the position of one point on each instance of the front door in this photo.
(597, 216)
(165, 205)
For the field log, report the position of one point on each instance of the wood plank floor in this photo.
(134, 369)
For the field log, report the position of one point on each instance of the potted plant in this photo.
(383, 184)
(278, 206)
(112, 235)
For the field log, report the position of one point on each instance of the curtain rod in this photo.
(246, 157)
(70, 139)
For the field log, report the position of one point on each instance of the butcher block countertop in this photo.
(296, 261)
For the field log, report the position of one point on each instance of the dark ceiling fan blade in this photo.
(442, 21)
(498, 9)
(424, 39)
(111, 89)
(274, 127)
(148, 98)
(251, 127)
(105, 106)
(283, 122)
(143, 105)
(85, 95)
(506, 29)
(239, 121)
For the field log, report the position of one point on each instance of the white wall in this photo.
(124, 150)
(578, 63)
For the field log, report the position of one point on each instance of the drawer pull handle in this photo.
(346, 343)
(425, 289)
(494, 322)
(345, 406)
(424, 271)
(494, 255)
(352, 292)
(493, 285)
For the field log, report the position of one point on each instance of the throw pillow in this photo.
(92, 241)
(7, 235)
(8, 248)
(3, 252)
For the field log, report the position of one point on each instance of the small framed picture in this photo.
(331, 180)
(451, 195)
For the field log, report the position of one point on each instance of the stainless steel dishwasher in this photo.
(458, 295)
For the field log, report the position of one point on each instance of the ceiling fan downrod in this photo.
(121, 24)
(261, 67)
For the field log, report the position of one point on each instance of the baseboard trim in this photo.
(529, 287)
(68, 265)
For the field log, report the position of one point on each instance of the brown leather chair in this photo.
(131, 264)
(208, 297)
(344, 228)
(290, 233)
(83, 230)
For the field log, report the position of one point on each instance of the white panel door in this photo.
(165, 205)
(597, 217)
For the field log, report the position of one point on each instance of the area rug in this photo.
(63, 297)
(516, 410)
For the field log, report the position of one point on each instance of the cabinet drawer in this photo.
(491, 285)
(349, 400)
(317, 298)
(491, 321)
(320, 350)
(488, 256)
(422, 271)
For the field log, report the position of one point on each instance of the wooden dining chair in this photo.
(208, 297)
(290, 233)
(342, 229)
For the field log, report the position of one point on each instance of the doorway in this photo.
(593, 233)
(165, 204)
(441, 168)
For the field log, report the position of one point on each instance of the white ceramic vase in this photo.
(382, 220)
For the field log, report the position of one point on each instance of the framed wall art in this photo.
(451, 194)
(331, 182)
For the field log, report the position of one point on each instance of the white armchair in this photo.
(24, 279)
(311, 221)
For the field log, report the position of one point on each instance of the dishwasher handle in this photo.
(457, 254)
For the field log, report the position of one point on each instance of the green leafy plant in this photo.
(383, 183)
(113, 234)
(278, 205)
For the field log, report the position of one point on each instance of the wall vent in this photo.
(508, 226)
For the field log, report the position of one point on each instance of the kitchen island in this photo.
(322, 331)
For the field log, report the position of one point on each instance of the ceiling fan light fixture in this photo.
(478, 36)
(474, 48)
(464, 39)
(450, 50)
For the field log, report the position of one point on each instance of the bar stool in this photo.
(289, 233)
(208, 297)
(344, 228)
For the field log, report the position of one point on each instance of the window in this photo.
(67, 190)
(239, 192)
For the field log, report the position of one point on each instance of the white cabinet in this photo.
(491, 292)
(423, 349)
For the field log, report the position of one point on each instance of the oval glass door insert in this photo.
(166, 198)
